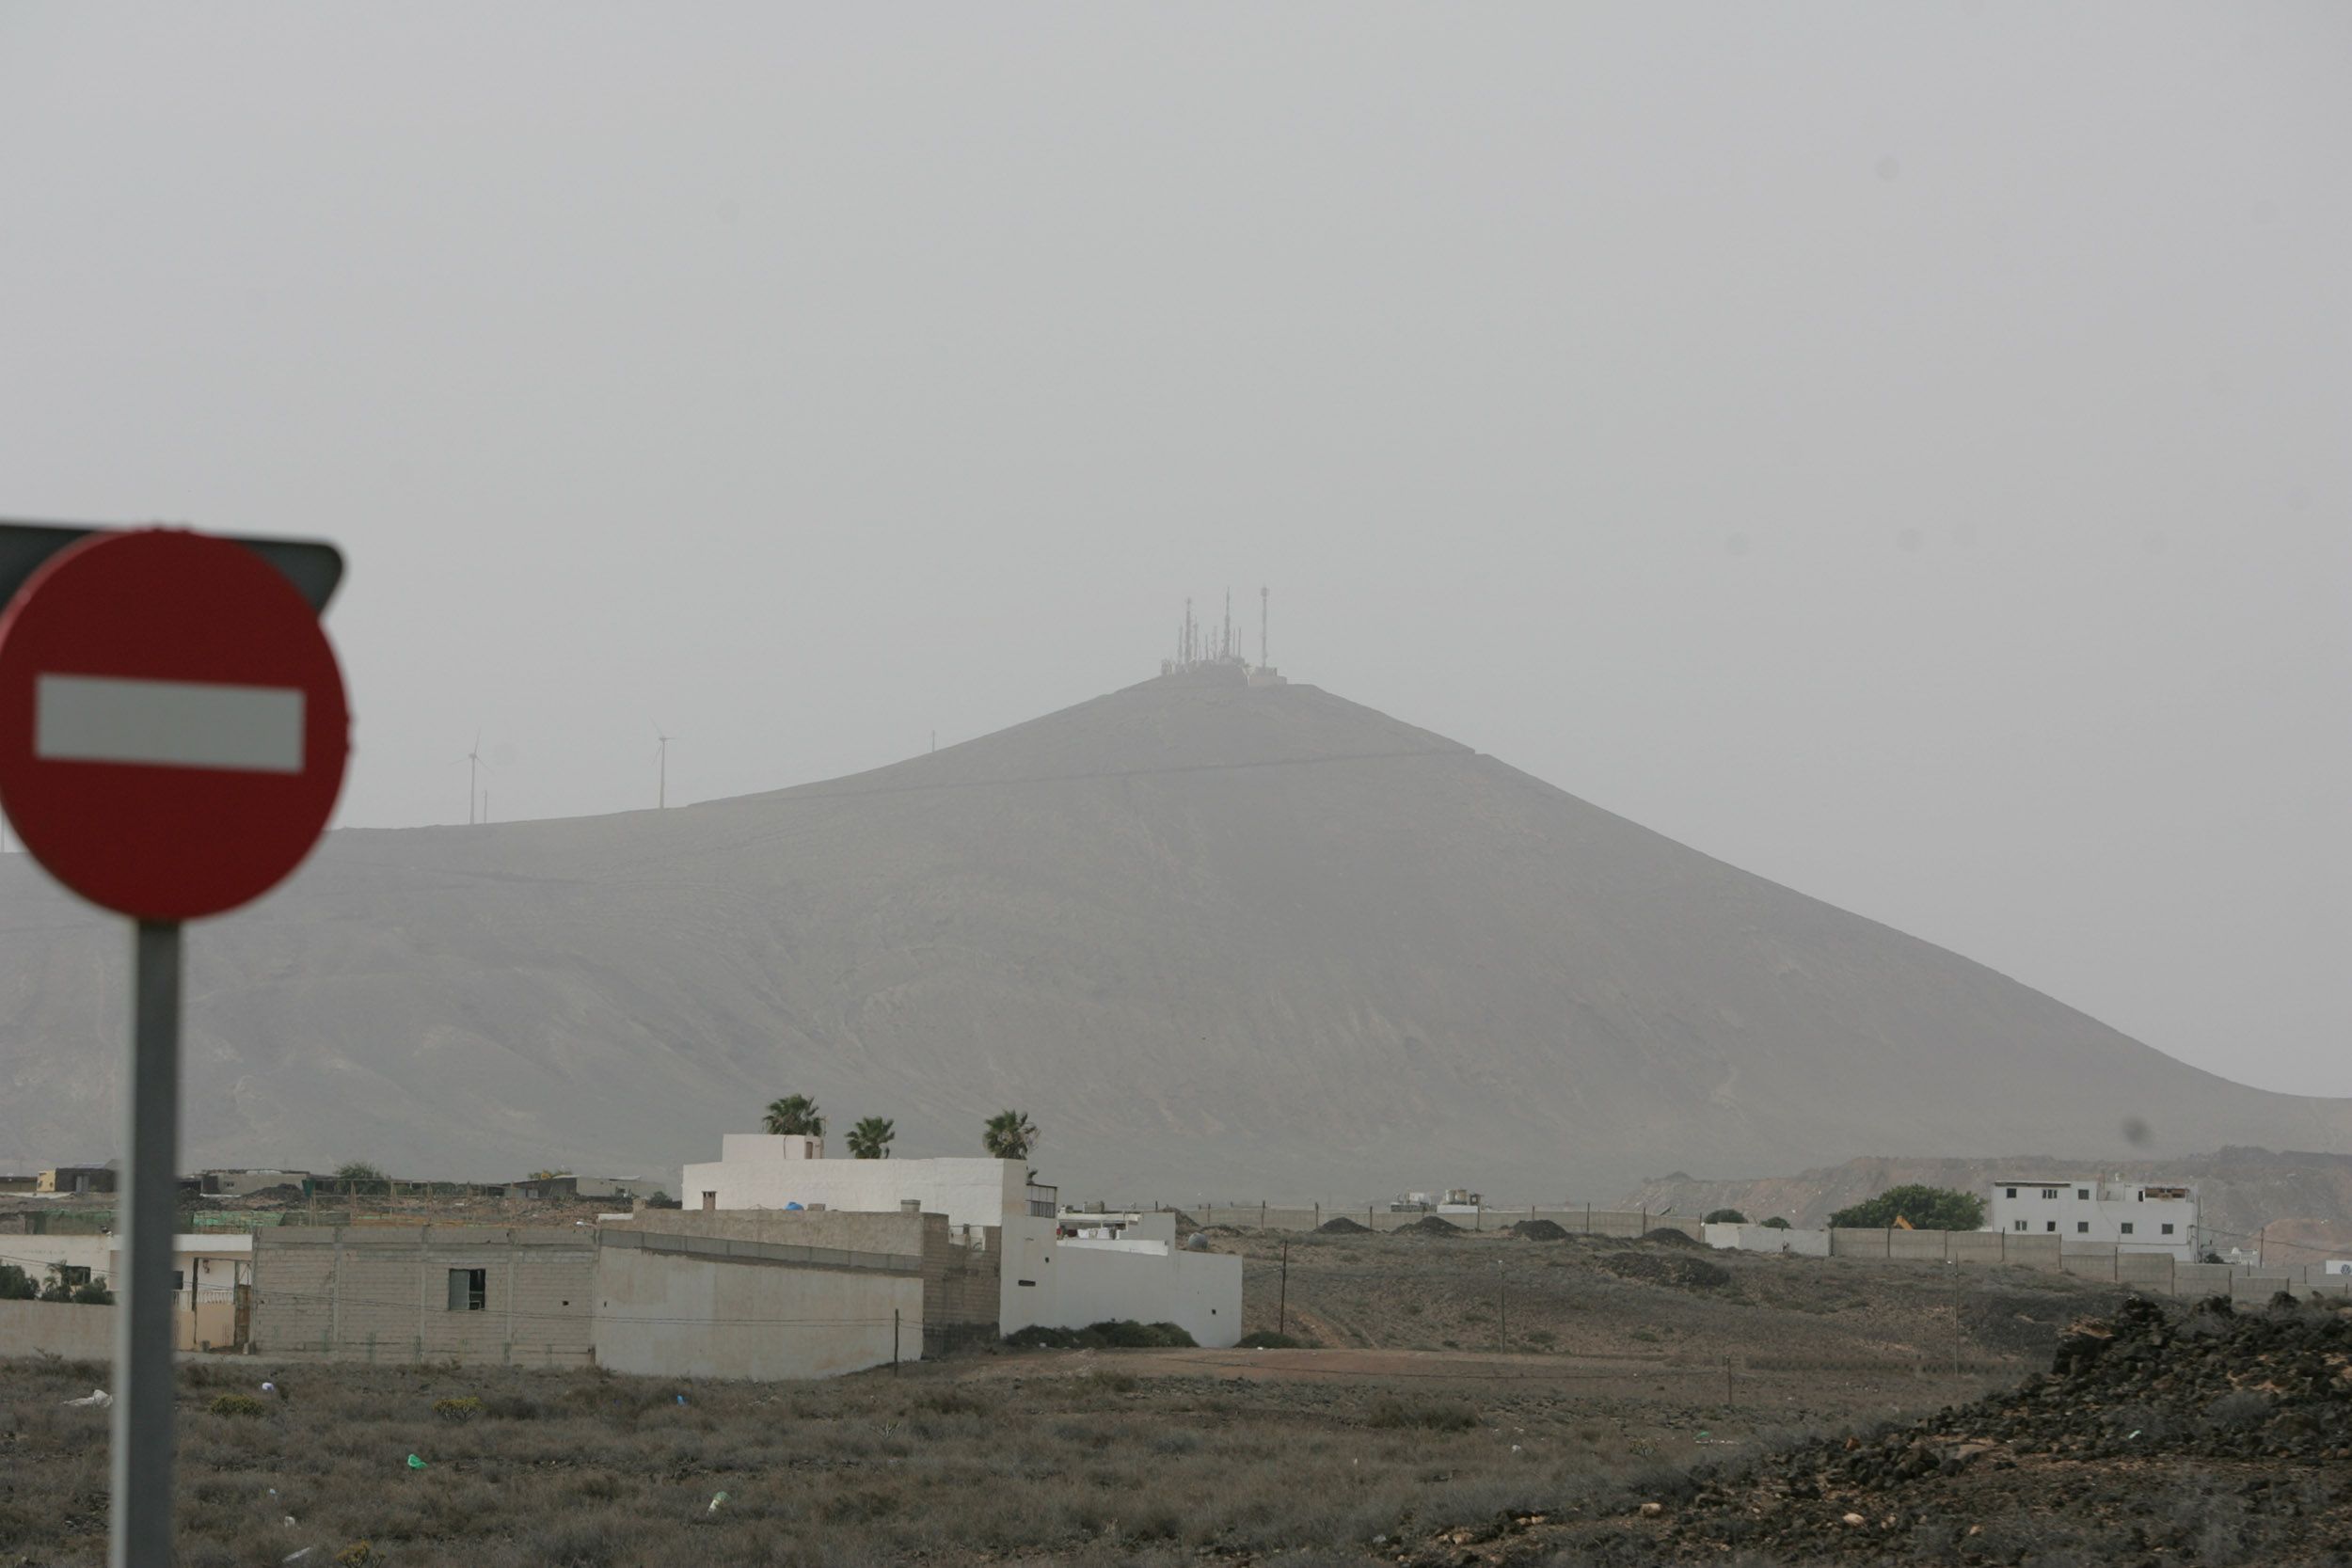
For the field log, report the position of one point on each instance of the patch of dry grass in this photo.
(586, 1470)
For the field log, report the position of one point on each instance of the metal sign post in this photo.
(142, 1467)
(173, 737)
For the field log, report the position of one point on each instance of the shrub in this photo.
(463, 1409)
(1726, 1216)
(93, 1294)
(513, 1407)
(1430, 1415)
(1126, 1334)
(1113, 1334)
(1038, 1337)
(1925, 1207)
(357, 1555)
(237, 1405)
(1267, 1339)
(16, 1285)
(954, 1401)
(1777, 1223)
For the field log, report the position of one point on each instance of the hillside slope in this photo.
(1216, 939)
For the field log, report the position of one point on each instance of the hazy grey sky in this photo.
(1904, 451)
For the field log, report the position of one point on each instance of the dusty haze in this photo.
(1898, 451)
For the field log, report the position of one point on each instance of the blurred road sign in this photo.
(173, 738)
(173, 729)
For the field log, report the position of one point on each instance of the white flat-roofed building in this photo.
(1047, 1277)
(2133, 1216)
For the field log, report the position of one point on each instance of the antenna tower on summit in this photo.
(1216, 651)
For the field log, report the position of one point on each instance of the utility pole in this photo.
(1282, 1302)
(1503, 1309)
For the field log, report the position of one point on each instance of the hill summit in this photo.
(1217, 938)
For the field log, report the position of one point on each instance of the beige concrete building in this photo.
(647, 1298)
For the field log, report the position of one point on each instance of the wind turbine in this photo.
(661, 750)
(474, 767)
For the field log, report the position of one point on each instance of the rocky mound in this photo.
(1540, 1231)
(2212, 1391)
(1339, 1225)
(1684, 1274)
(1668, 1236)
(1433, 1225)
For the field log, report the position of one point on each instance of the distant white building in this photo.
(2133, 1216)
(1047, 1277)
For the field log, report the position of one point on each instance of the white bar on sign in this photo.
(253, 729)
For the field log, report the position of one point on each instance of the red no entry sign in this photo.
(172, 726)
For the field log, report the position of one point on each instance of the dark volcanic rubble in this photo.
(2157, 1436)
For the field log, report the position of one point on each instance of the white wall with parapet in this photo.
(754, 1172)
(1060, 1282)
(1767, 1238)
(1151, 1282)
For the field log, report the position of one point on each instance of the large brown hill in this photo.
(1217, 940)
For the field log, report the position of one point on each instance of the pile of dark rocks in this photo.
(2257, 1403)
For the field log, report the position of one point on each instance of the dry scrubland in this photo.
(1369, 1450)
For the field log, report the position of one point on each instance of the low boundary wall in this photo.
(2156, 1273)
(60, 1328)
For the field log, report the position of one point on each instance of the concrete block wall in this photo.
(1974, 1246)
(1859, 1243)
(704, 1306)
(958, 1262)
(381, 1294)
(60, 1328)
(1917, 1246)
(890, 1231)
(2034, 1252)
(2088, 1260)
(1622, 1223)
(2201, 1279)
(962, 1288)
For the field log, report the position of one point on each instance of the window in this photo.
(178, 1281)
(2082, 1191)
(710, 1201)
(2049, 1192)
(2082, 1227)
(2168, 1228)
(2050, 1225)
(2012, 1192)
(468, 1289)
(71, 1274)
(2017, 1225)
(2127, 1227)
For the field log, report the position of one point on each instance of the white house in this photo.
(1045, 1277)
(2133, 1216)
(207, 1269)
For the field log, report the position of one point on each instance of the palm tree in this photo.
(870, 1138)
(795, 1113)
(1010, 1135)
